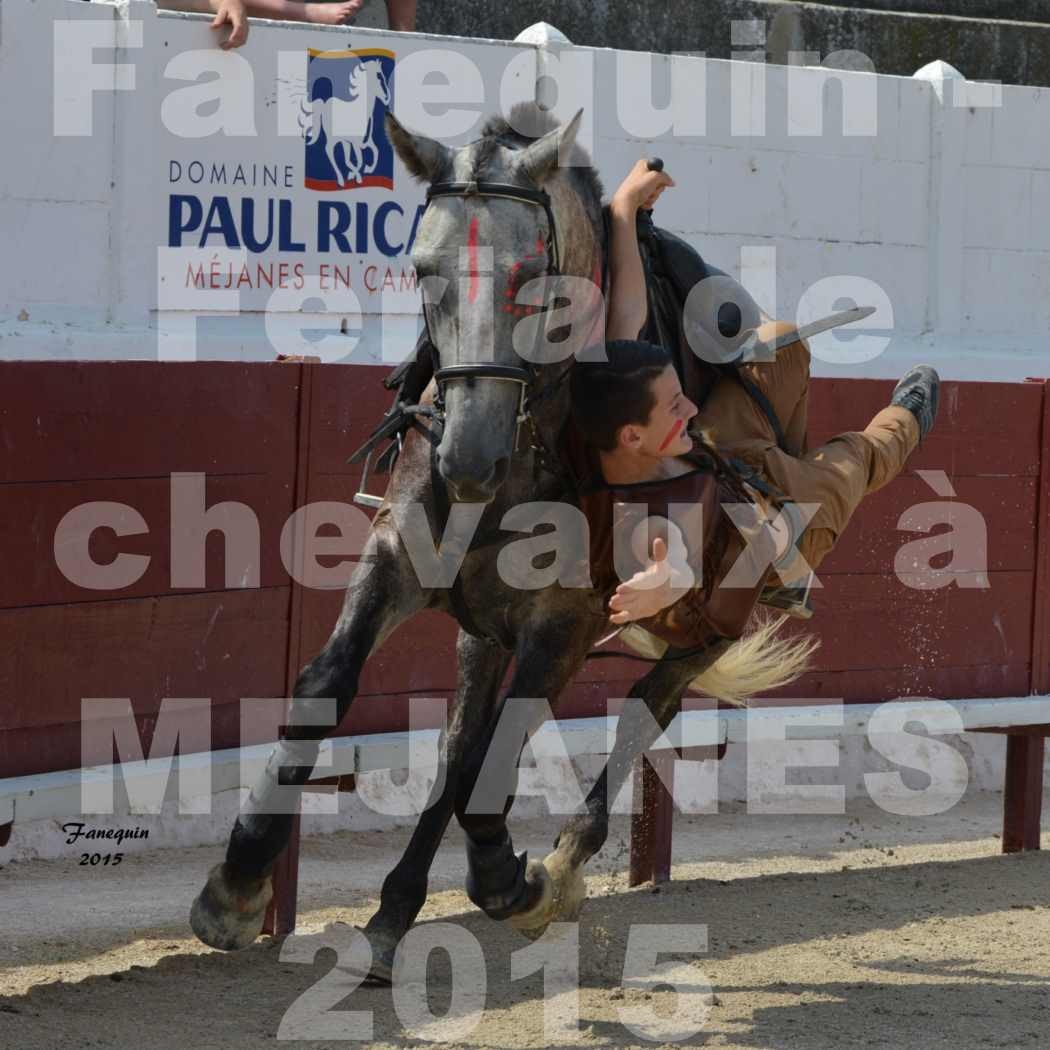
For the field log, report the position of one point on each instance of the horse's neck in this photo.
(582, 258)
(580, 238)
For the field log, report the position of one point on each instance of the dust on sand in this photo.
(865, 930)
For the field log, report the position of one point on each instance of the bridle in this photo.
(527, 373)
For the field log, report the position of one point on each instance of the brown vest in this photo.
(694, 501)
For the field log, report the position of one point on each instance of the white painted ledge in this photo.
(59, 794)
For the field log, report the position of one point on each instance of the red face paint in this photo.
(671, 434)
(472, 249)
(510, 293)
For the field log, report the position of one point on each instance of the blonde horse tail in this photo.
(758, 663)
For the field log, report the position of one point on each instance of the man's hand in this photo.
(232, 13)
(652, 589)
(641, 188)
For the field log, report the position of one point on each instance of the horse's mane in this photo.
(526, 123)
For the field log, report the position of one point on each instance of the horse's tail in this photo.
(758, 663)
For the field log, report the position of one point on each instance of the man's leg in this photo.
(863, 462)
(841, 473)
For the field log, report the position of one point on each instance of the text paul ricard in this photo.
(267, 213)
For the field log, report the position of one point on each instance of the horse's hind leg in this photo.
(481, 669)
(229, 911)
(584, 834)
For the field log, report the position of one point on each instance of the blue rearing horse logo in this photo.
(346, 143)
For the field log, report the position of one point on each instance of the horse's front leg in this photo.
(383, 592)
(548, 656)
(481, 669)
(639, 726)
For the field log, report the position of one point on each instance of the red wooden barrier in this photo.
(75, 432)
(274, 437)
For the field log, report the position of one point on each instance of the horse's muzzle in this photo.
(472, 487)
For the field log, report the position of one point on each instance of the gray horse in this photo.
(459, 474)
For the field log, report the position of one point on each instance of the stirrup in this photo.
(792, 599)
(362, 496)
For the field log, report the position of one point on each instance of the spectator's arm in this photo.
(401, 14)
(235, 13)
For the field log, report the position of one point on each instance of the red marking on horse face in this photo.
(671, 434)
(472, 249)
(514, 282)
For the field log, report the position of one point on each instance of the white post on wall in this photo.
(548, 41)
(946, 199)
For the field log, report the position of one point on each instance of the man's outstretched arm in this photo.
(626, 310)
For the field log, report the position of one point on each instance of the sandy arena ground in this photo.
(866, 930)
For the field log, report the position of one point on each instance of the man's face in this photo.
(665, 432)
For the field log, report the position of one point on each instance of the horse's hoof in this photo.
(560, 893)
(537, 916)
(223, 920)
(384, 944)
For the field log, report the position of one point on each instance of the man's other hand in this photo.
(652, 589)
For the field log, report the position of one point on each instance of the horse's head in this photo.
(475, 249)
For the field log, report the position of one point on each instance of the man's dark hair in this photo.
(607, 395)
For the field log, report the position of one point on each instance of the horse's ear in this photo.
(426, 159)
(541, 158)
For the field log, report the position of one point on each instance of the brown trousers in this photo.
(837, 475)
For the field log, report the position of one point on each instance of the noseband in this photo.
(526, 374)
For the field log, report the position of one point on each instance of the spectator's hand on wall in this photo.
(232, 13)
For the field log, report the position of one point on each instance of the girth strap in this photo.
(763, 402)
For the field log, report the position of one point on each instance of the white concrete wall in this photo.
(935, 194)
